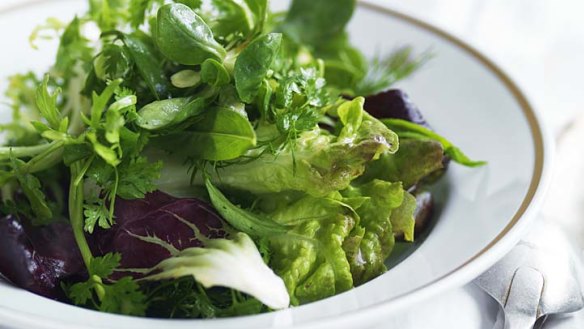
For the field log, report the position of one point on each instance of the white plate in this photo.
(484, 212)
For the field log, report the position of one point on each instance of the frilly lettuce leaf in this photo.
(415, 160)
(235, 264)
(319, 245)
(371, 242)
(402, 219)
(319, 163)
(305, 239)
(310, 258)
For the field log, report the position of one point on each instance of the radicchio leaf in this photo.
(152, 229)
(38, 258)
(394, 104)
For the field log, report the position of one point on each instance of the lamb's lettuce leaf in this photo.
(253, 65)
(237, 20)
(313, 22)
(184, 37)
(219, 134)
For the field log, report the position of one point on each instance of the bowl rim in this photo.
(475, 265)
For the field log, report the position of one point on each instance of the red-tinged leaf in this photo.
(38, 258)
(150, 230)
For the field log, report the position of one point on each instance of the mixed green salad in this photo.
(210, 158)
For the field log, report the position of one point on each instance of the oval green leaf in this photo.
(184, 37)
(253, 64)
(222, 134)
(169, 112)
(214, 73)
(315, 22)
(148, 63)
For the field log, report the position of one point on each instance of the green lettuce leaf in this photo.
(415, 160)
(310, 258)
(402, 219)
(241, 219)
(318, 164)
(372, 241)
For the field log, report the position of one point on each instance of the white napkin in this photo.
(564, 203)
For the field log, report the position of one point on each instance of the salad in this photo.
(210, 158)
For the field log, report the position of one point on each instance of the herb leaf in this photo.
(32, 189)
(73, 48)
(314, 22)
(406, 129)
(137, 178)
(96, 214)
(148, 63)
(47, 104)
(104, 266)
(122, 296)
(383, 73)
(253, 64)
(112, 63)
(184, 37)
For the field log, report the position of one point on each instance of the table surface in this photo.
(539, 44)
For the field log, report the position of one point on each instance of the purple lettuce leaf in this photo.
(149, 230)
(394, 104)
(38, 258)
(146, 232)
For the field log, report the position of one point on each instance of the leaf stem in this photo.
(24, 151)
(99, 287)
(46, 159)
(76, 199)
(7, 191)
(112, 197)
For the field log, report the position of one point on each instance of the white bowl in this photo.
(483, 211)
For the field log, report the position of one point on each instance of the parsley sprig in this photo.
(120, 296)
